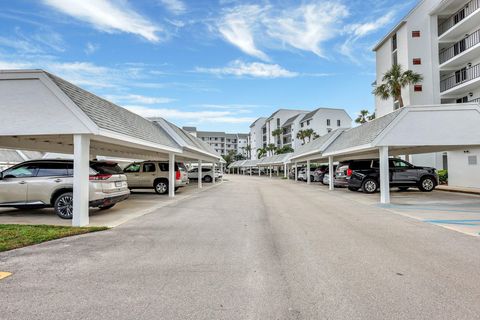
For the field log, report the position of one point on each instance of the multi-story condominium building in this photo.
(257, 136)
(440, 39)
(222, 142)
(321, 120)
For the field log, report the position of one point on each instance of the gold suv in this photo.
(49, 183)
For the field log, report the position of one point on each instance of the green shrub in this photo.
(443, 176)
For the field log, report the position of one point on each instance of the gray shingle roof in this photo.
(291, 120)
(312, 113)
(192, 141)
(318, 144)
(363, 134)
(107, 115)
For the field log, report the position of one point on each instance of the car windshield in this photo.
(106, 167)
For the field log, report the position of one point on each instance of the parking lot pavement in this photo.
(252, 248)
(455, 211)
(140, 202)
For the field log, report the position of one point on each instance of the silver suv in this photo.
(154, 174)
(49, 183)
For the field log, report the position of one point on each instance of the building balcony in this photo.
(462, 81)
(460, 52)
(459, 23)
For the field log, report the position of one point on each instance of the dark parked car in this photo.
(345, 169)
(403, 175)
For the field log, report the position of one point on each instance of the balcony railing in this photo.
(458, 16)
(460, 76)
(475, 100)
(459, 47)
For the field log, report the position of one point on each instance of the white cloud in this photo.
(91, 48)
(308, 26)
(193, 116)
(238, 25)
(252, 69)
(174, 6)
(363, 29)
(107, 16)
(138, 99)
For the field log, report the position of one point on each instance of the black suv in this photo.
(365, 175)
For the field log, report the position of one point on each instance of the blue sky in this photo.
(217, 65)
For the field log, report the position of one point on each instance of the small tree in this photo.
(309, 133)
(364, 116)
(284, 149)
(277, 133)
(393, 81)
(301, 135)
(271, 148)
(261, 152)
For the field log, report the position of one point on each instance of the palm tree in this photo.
(284, 149)
(363, 116)
(371, 117)
(271, 148)
(277, 133)
(248, 148)
(309, 133)
(261, 152)
(393, 81)
(301, 135)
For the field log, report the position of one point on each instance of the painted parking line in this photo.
(4, 274)
(438, 209)
(457, 222)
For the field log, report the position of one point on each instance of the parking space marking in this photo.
(4, 274)
(458, 222)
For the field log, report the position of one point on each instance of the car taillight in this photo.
(100, 177)
(177, 175)
(349, 172)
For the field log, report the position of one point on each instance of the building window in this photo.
(308, 122)
(328, 122)
(394, 42)
(415, 34)
(417, 88)
(462, 100)
(417, 61)
(338, 123)
(278, 122)
(301, 124)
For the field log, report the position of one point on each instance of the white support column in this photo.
(278, 170)
(259, 171)
(307, 172)
(214, 165)
(296, 172)
(200, 175)
(81, 171)
(171, 175)
(285, 175)
(270, 171)
(384, 176)
(331, 183)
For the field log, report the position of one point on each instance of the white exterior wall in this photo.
(283, 115)
(460, 172)
(256, 137)
(319, 121)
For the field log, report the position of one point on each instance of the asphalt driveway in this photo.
(251, 248)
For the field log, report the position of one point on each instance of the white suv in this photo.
(154, 174)
(207, 175)
(49, 183)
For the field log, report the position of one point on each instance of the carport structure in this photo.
(249, 165)
(236, 165)
(409, 130)
(279, 160)
(42, 112)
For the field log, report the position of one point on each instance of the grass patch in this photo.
(13, 236)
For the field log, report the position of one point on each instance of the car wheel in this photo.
(312, 179)
(207, 179)
(64, 205)
(353, 188)
(369, 185)
(161, 186)
(177, 189)
(403, 188)
(427, 184)
(106, 207)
